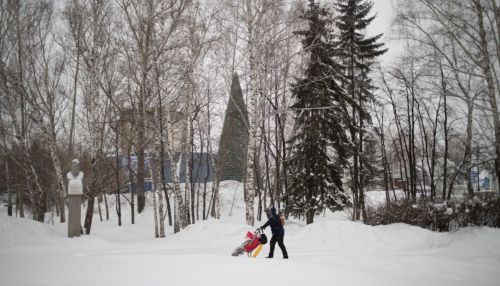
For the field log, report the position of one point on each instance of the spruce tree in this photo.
(318, 147)
(232, 158)
(358, 53)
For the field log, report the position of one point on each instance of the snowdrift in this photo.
(332, 251)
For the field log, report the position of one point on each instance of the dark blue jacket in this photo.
(275, 223)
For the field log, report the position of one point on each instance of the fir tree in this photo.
(358, 53)
(318, 146)
(232, 160)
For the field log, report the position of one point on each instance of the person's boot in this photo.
(285, 254)
(269, 256)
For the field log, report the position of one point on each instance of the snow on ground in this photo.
(332, 251)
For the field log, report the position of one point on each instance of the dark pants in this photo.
(278, 239)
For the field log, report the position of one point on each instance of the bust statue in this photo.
(75, 177)
(75, 192)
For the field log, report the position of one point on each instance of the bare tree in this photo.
(90, 28)
(47, 96)
(458, 30)
(19, 42)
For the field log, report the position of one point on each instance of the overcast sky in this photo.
(382, 24)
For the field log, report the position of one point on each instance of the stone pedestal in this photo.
(74, 215)
(75, 192)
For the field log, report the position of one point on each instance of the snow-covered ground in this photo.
(332, 251)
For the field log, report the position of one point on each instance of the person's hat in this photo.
(268, 212)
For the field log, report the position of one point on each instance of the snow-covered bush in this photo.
(442, 216)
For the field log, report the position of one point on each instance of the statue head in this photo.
(75, 167)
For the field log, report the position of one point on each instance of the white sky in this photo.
(382, 24)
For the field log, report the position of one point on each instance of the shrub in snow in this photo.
(444, 216)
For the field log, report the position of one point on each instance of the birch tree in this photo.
(90, 29)
(46, 95)
(23, 17)
(470, 51)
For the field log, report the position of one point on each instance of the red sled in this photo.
(252, 241)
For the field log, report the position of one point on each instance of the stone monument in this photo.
(75, 192)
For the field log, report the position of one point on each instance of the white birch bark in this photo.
(215, 178)
(157, 234)
(155, 164)
(186, 150)
(157, 183)
(160, 210)
(179, 207)
(49, 132)
(60, 180)
(32, 178)
(249, 190)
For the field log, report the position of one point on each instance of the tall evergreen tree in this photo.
(358, 53)
(232, 158)
(318, 146)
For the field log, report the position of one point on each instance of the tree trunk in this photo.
(61, 192)
(446, 129)
(132, 195)
(9, 192)
(486, 67)
(215, 200)
(309, 216)
(189, 167)
(468, 149)
(179, 207)
(162, 156)
(155, 214)
(215, 178)
(99, 200)
(118, 206)
(161, 214)
(361, 182)
(106, 206)
(141, 110)
(89, 214)
(186, 150)
(20, 201)
(91, 196)
(285, 168)
(361, 179)
(249, 187)
(38, 195)
(75, 79)
(141, 196)
(167, 199)
(157, 180)
(204, 202)
(132, 208)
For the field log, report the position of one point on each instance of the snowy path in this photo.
(332, 251)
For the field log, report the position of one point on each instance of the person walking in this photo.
(278, 232)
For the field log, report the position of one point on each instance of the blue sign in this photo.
(485, 183)
(148, 186)
(474, 175)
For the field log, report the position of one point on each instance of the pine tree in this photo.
(358, 53)
(318, 146)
